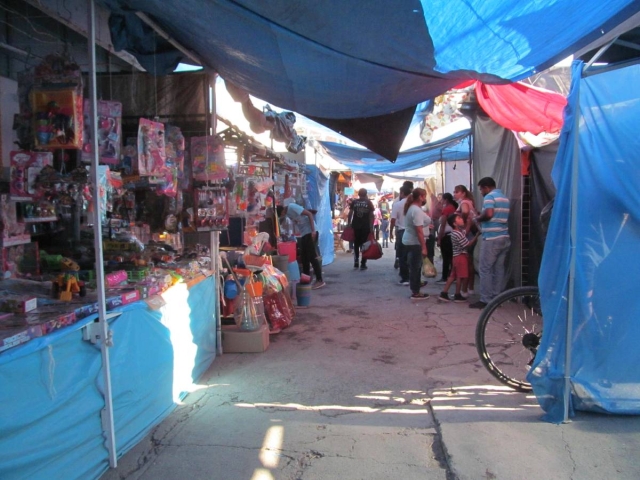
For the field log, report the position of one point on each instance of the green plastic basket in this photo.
(137, 275)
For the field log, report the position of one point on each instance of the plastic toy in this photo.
(65, 285)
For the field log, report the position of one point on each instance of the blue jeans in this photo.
(493, 254)
(414, 259)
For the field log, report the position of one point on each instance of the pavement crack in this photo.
(567, 448)
(439, 448)
(427, 370)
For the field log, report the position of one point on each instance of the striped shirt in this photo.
(459, 242)
(498, 226)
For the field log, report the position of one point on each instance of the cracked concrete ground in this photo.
(367, 384)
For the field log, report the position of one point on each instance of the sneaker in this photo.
(317, 284)
(478, 304)
(419, 296)
(470, 291)
(464, 294)
(441, 282)
(356, 265)
(363, 267)
(444, 297)
(396, 264)
(403, 282)
(459, 298)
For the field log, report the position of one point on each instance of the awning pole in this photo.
(216, 272)
(214, 237)
(572, 265)
(105, 334)
(472, 150)
(442, 171)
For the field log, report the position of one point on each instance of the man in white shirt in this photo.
(397, 221)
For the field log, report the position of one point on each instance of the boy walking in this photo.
(460, 270)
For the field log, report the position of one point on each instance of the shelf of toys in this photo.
(146, 198)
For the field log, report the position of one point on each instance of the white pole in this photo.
(215, 269)
(572, 265)
(215, 235)
(105, 334)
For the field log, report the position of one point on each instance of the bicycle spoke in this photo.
(507, 335)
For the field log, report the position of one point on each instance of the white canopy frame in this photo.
(105, 333)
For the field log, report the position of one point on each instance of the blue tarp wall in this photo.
(606, 306)
(51, 388)
(318, 192)
(452, 148)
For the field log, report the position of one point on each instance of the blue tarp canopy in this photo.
(453, 148)
(360, 68)
(591, 245)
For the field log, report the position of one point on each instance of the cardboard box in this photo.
(15, 330)
(19, 304)
(130, 297)
(235, 340)
(113, 301)
(86, 310)
(57, 323)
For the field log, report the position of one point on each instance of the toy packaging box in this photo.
(57, 117)
(25, 167)
(15, 330)
(109, 132)
(21, 260)
(207, 157)
(151, 148)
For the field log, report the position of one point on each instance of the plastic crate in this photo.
(137, 275)
(87, 275)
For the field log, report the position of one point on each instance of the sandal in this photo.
(419, 296)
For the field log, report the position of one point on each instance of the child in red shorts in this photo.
(460, 270)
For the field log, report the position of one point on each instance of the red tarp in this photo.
(522, 108)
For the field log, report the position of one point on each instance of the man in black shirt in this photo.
(361, 219)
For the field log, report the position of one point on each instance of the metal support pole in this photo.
(215, 269)
(572, 266)
(105, 334)
(472, 151)
(213, 119)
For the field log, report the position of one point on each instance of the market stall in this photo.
(82, 241)
(109, 299)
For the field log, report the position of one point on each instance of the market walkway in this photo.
(367, 384)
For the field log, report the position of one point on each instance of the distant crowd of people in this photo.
(453, 223)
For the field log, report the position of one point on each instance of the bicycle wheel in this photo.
(508, 334)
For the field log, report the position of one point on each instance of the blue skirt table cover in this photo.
(51, 388)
